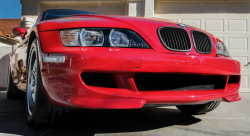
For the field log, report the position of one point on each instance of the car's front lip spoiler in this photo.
(106, 101)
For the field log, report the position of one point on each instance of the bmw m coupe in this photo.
(81, 59)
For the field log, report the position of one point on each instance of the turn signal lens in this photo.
(70, 37)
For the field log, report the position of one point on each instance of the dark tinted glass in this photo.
(59, 13)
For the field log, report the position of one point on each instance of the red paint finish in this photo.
(64, 85)
(19, 31)
(136, 64)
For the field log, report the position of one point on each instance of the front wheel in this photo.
(199, 108)
(39, 110)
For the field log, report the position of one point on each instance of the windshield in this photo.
(59, 13)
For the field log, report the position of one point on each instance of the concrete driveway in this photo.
(229, 119)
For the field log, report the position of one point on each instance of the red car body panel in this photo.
(64, 85)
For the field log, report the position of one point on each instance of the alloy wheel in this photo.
(32, 83)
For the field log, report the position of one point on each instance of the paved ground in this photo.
(229, 119)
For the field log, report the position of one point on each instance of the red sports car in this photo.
(81, 59)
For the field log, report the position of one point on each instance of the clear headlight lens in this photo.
(81, 37)
(126, 38)
(118, 39)
(102, 37)
(91, 38)
(222, 49)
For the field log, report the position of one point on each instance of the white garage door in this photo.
(226, 19)
(109, 9)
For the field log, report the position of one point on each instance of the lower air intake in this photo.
(99, 79)
(178, 82)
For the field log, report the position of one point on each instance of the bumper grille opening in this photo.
(178, 82)
(99, 79)
(233, 79)
(176, 39)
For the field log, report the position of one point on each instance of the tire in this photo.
(199, 109)
(12, 91)
(39, 110)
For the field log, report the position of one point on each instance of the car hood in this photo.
(105, 21)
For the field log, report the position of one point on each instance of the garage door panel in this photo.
(244, 82)
(239, 44)
(192, 22)
(166, 7)
(199, 6)
(243, 60)
(214, 25)
(237, 25)
(73, 7)
(174, 20)
(90, 8)
(213, 7)
(221, 38)
(190, 7)
(112, 9)
(233, 29)
(237, 7)
(52, 7)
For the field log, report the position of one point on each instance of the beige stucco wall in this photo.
(135, 8)
(5, 49)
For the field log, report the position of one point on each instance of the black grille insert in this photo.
(176, 39)
(202, 42)
(178, 82)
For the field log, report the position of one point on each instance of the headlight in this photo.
(81, 37)
(118, 39)
(222, 49)
(91, 38)
(102, 37)
(126, 38)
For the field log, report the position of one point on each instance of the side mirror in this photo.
(19, 31)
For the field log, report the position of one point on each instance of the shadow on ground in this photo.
(91, 122)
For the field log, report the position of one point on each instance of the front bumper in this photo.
(64, 85)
